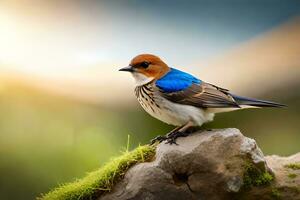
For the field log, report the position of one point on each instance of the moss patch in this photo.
(102, 180)
(292, 176)
(255, 177)
(294, 166)
(275, 193)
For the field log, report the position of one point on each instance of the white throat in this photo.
(141, 79)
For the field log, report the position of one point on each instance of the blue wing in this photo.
(176, 80)
(183, 88)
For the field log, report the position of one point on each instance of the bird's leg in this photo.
(182, 132)
(175, 130)
(161, 138)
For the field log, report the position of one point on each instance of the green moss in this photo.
(275, 193)
(295, 189)
(294, 166)
(292, 176)
(103, 179)
(255, 177)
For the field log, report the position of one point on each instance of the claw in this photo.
(171, 139)
(158, 139)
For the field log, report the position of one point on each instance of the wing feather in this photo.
(202, 95)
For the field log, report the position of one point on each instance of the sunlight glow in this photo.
(9, 39)
(16, 45)
(41, 49)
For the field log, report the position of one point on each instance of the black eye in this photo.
(145, 64)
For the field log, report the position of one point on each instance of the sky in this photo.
(62, 36)
(86, 42)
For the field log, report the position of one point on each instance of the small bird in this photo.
(179, 98)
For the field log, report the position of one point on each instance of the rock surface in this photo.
(219, 164)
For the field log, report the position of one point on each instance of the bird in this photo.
(180, 99)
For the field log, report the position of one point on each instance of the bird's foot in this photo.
(158, 139)
(171, 139)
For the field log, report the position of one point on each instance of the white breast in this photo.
(141, 79)
(167, 111)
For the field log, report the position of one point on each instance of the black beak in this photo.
(127, 69)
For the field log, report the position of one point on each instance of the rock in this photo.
(219, 164)
(287, 178)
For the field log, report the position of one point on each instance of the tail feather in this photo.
(255, 102)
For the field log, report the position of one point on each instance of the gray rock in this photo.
(205, 165)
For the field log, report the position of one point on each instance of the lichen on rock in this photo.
(255, 177)
(294, 166)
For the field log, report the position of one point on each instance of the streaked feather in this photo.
(202, 95)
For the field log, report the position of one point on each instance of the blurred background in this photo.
(65, 109)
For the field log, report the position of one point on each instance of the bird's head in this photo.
(146, 67)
